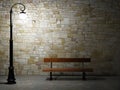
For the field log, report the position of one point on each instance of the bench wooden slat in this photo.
(66, 59)
(68, 70)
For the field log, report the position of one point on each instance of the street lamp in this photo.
(11, 76)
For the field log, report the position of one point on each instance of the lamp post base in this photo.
(11, 82)
(11, 77)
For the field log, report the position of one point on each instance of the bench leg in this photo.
(51, 76)
(84, 76)
(51, 72)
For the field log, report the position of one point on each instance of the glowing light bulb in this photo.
(22, 16)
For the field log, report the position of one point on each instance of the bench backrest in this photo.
(67, 59)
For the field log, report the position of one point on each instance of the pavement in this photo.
(62, 83)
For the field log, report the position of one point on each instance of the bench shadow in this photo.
(78, 78)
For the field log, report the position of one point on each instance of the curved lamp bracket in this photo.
(21, 9)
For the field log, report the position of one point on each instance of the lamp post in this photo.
(11, 76)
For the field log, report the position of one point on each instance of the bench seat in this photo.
(68, 70)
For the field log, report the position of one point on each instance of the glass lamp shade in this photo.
(22, 15)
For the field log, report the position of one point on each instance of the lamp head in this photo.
(22, 12)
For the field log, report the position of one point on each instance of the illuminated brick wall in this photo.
(61, 28)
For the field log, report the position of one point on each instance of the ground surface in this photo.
(62, 83)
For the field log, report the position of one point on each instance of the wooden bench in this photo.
(59, 60)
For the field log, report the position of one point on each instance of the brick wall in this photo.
(61, 28)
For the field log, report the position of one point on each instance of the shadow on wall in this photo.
(116, 62)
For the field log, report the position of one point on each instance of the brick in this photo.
(61, 28)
